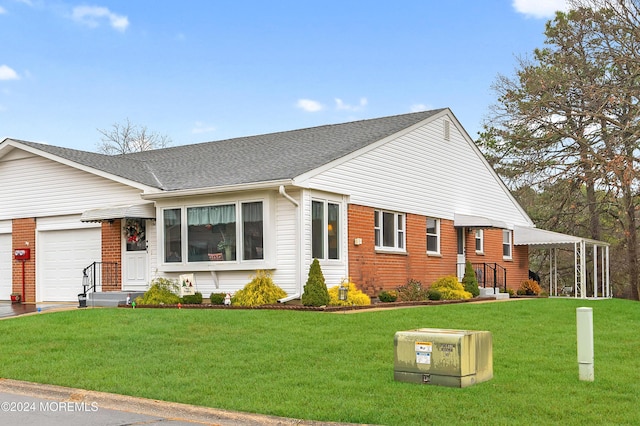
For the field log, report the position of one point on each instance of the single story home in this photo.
(377, 201)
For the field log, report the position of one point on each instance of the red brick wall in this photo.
(24, 236)
(112, 251)
(373, 272)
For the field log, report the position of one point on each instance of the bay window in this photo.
(214, 233)
(389, 230)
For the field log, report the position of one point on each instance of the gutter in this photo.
(216, 189)
(299, 259)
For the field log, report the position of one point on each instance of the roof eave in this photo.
(192, 192)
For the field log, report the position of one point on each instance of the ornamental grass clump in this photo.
(355, 297)
(450, 289)
(260, 291)
(529, 288)
(163, 291)
(315, 290)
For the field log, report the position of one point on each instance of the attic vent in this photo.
(446, 130)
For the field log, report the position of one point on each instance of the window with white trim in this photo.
(506, 244)
(228, 232)
(479, 241)
(433, 235)
(325, 230)
(389, 228)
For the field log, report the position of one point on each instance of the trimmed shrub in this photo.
(217, 298)
(434, 294)
(388, 296)
(412, 291)
(192, 299)
(163, 291)
(315, 291)
(450, 289)
(260, 291)
(355, 297)
(529, 288)
(469, 281)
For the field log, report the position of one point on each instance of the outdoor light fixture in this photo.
(342, 291)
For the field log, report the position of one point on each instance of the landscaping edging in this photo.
(294, 307)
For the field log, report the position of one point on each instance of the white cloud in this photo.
(91, 16)
(540, 8)
(340, 105)
(7, 73)
(2, 10)
(201, 127)
(418, 107)
(309, 105)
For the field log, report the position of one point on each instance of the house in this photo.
(380, 201)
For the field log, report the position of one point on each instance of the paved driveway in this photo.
(8, 309)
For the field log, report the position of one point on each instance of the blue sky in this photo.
(199, 70)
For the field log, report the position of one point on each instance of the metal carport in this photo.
(540, 238)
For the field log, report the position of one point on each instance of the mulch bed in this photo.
(298, 307)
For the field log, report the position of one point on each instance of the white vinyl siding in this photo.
(56, 189)
(415, 173)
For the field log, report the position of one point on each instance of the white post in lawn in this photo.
(584, 318)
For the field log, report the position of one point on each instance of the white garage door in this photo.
(5, 266)
(62, 255)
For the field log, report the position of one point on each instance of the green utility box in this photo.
(455, 358)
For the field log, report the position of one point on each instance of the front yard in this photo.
(336, 366)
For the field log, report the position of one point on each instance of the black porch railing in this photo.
(491, 275)
(97, 275)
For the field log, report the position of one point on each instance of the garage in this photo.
(62, 255)
(5, 266)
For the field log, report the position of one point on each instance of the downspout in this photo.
(299, 259)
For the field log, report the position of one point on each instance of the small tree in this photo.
(469, 281)
(127, 137)
(315, 290)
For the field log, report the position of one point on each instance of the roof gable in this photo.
(245, 160)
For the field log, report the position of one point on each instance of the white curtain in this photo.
(211, 215)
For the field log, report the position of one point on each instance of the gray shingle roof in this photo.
(244, 160)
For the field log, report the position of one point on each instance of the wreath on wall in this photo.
(133, 230)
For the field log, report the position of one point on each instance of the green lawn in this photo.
(338, 367)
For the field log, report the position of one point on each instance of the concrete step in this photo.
(111, 298)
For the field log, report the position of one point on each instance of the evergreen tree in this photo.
(315, 291)
(469, 281)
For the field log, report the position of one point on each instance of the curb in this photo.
(151, 407)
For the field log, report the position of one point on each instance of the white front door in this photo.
(461, 260)
(136, 258)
